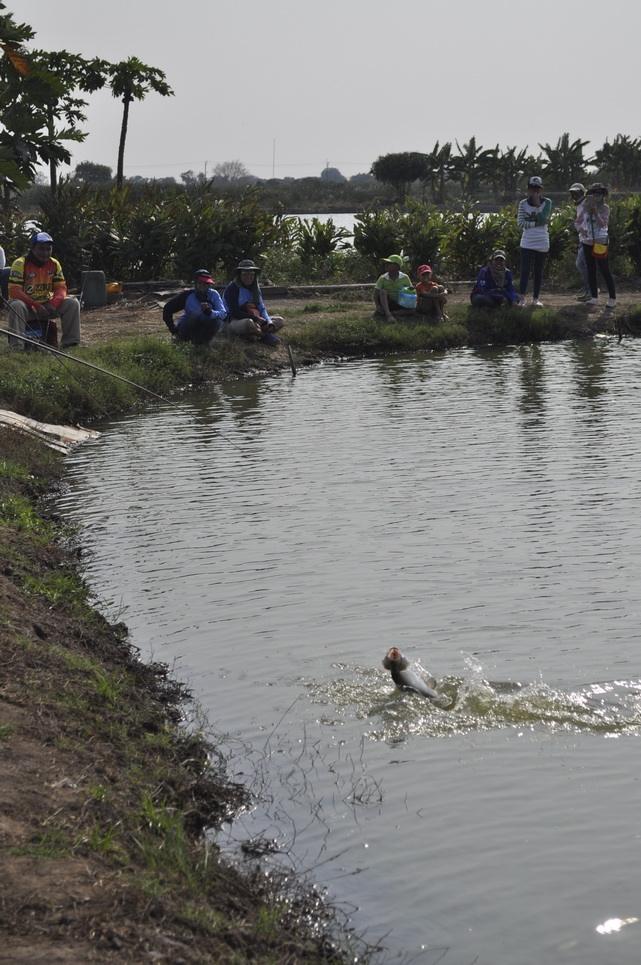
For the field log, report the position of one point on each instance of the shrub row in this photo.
(158, 233)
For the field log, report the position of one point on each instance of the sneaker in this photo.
(520, 302)
(584, 297)
(268, 338)
(593, 303)
(611, 303)
(536, 303)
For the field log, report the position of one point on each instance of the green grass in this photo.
(59, 588)
(19, 512)
(12, 470)
(6, 730)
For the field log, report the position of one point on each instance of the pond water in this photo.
(479, 509)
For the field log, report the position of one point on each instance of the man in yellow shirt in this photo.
(38, 295)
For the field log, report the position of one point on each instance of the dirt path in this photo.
(144, 316)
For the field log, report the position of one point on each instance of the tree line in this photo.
(42, 103)
(474, 170)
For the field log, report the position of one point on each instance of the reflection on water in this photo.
(477, 509)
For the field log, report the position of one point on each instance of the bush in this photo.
(378, 234)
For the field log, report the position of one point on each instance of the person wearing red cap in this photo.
(431, 297)
(204, 312)
(38, 295)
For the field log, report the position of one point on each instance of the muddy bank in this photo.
(103, 796)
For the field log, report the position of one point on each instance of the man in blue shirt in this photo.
(204, 312)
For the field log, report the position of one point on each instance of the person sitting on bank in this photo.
(204, 312)
(494, 285)
(431, 297)
(388, 285)
(247, 314)
(38, 295)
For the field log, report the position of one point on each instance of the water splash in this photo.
(473, 703)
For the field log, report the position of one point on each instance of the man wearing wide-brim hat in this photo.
(247, 314)
(388, 285)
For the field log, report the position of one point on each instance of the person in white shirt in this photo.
(592, 217)
(533, 217)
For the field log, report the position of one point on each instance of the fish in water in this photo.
(403, 676)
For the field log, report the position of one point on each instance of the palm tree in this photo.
(439, 162)
(620, 161)
(132, 80)
(564, 163)
(511, 165)
(472, 165)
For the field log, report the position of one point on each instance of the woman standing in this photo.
(592, 217)
(534, 217)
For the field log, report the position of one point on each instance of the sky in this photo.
(289, 86)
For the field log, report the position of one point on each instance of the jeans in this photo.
(529, 257)
(198, 329)
(582, 268)
(604, 268)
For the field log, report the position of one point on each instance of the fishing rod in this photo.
(65, 355)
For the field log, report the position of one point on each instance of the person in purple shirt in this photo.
(204, 312)
(494, 285)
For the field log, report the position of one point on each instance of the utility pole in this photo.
(205, 170)
(274, 158)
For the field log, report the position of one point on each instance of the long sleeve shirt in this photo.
(534, 220)
(236, 296)
(486, 285)
(194, 310)
(592, 222)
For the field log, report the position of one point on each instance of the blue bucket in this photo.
(406, 298)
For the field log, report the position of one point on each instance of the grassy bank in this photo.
(103, 796)
(55, 390)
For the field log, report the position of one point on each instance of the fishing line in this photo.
(64, 355)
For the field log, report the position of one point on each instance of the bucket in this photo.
(114, 291)
(406, 298)
(93, 289)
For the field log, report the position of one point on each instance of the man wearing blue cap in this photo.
(38, 295)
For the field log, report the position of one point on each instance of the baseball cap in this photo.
(203, 275)
(499, 253)
(422, 269)
(394, 260)
(535, 182)
(577, 186)
(41, 236)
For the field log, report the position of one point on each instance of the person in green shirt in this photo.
(387, 287)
